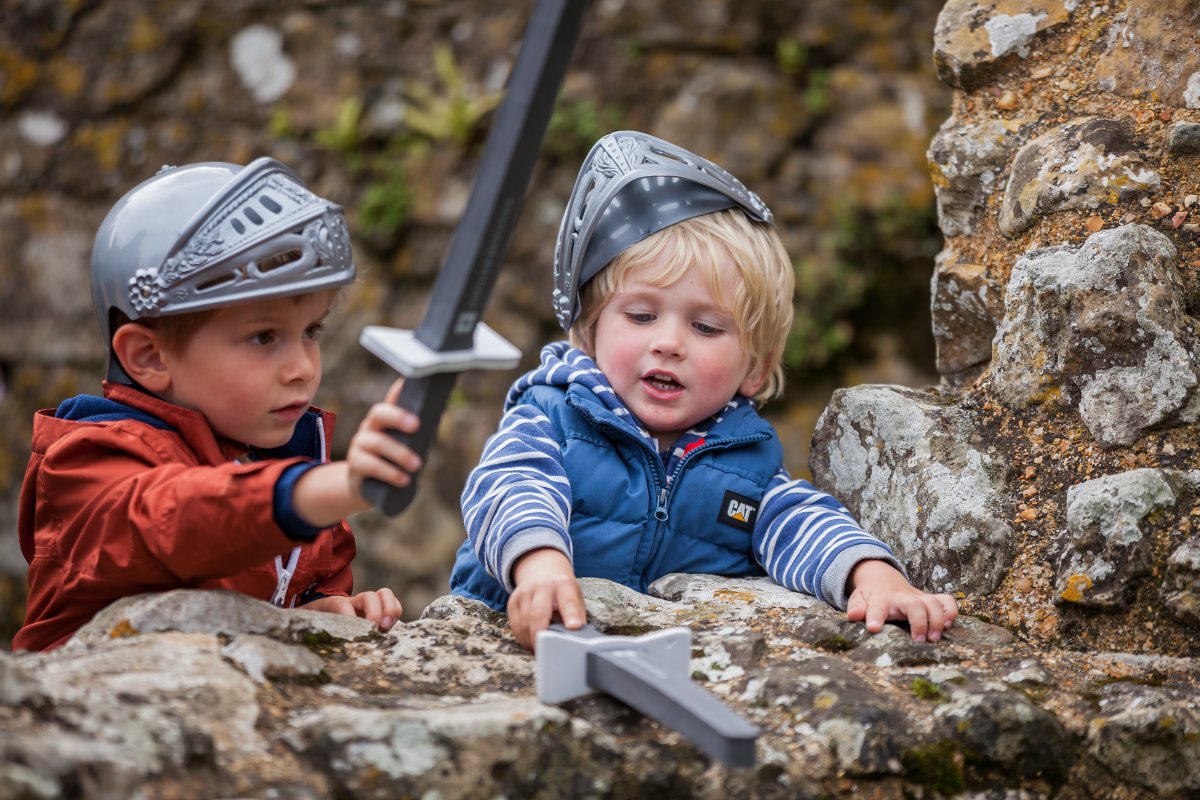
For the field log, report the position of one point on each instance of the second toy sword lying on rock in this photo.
(649, 673)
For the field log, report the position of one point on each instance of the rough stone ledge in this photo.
(844, 713)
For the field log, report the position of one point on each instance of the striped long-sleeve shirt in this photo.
(520, 497)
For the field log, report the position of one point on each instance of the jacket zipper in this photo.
(663, 492)
(284, 574)
(664, 495)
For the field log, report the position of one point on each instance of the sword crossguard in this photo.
(650, 674)
(404, 352)
(562, 657)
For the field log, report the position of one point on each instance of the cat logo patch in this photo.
(738, 510)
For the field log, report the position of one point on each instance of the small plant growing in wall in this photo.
(451, 110)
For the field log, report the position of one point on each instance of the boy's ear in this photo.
(140, 353)
(754, 381)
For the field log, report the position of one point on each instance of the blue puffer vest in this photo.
(626, 524)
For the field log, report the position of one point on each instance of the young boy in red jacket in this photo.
(204, 465)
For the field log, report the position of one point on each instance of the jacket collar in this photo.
(589, 391)
(199, 435)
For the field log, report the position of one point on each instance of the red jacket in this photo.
(150, 502)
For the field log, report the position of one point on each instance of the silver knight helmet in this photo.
(632, 185)
(213, 234)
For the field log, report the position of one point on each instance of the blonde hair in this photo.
(758, 294)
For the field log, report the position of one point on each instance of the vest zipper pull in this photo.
(660, 513)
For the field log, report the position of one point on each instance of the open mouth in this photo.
(662, 382)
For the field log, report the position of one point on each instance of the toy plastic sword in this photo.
(451, 338)
(648, 673)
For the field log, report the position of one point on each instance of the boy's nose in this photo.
(302, 365)
(667, 342)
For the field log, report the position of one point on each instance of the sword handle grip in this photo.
(426, 397)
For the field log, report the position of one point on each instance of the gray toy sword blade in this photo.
(648, 673)
(448, 339)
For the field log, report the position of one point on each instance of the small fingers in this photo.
(935, 615)
(393, 392)
(518, 619)
(537, 617)
(367, 464)
(370, 607)
(334, 604)
(877, 612)
(570, 605)
(385, 416)
(390, 610)
(856, 608)
(949, 609)
(381, 443)
(918, 618)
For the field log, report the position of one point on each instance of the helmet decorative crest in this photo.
(214, 234)
(630, 186)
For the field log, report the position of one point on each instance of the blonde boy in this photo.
(204, 464)
(636, 450)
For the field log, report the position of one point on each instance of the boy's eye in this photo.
(640, 317)
(314, 331)
(705, 329)
(263, 337)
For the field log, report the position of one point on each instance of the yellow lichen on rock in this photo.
(1077, 585)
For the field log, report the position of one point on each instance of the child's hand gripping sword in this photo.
(451, 337)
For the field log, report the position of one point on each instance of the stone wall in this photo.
(1052, 477)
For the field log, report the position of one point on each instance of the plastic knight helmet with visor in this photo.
(212, 234)
(632, 185)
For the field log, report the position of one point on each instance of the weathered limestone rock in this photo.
(1151, 50)
(966, 161)
(1181, 586)
(139, 707)
(1107, 553)
(1103, 325)
(17, 686)
(961, 310)
(973, 37)
(1150, 737)
(151, 49)
(1183, 138)
(416, 657)
(751, 115)
(1002, 728)
(912, 469)
(263, 658)
(384, 753)
(218, 613)
(861, 732)
(1082, 164)
(446, 706)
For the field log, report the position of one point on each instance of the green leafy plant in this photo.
(343, 135)
(817, 96)
(386, 200)
(453, 110)
(575, 127)
(790, 55)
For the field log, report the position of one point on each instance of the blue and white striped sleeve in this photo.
(518, 498)
(809, 542)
